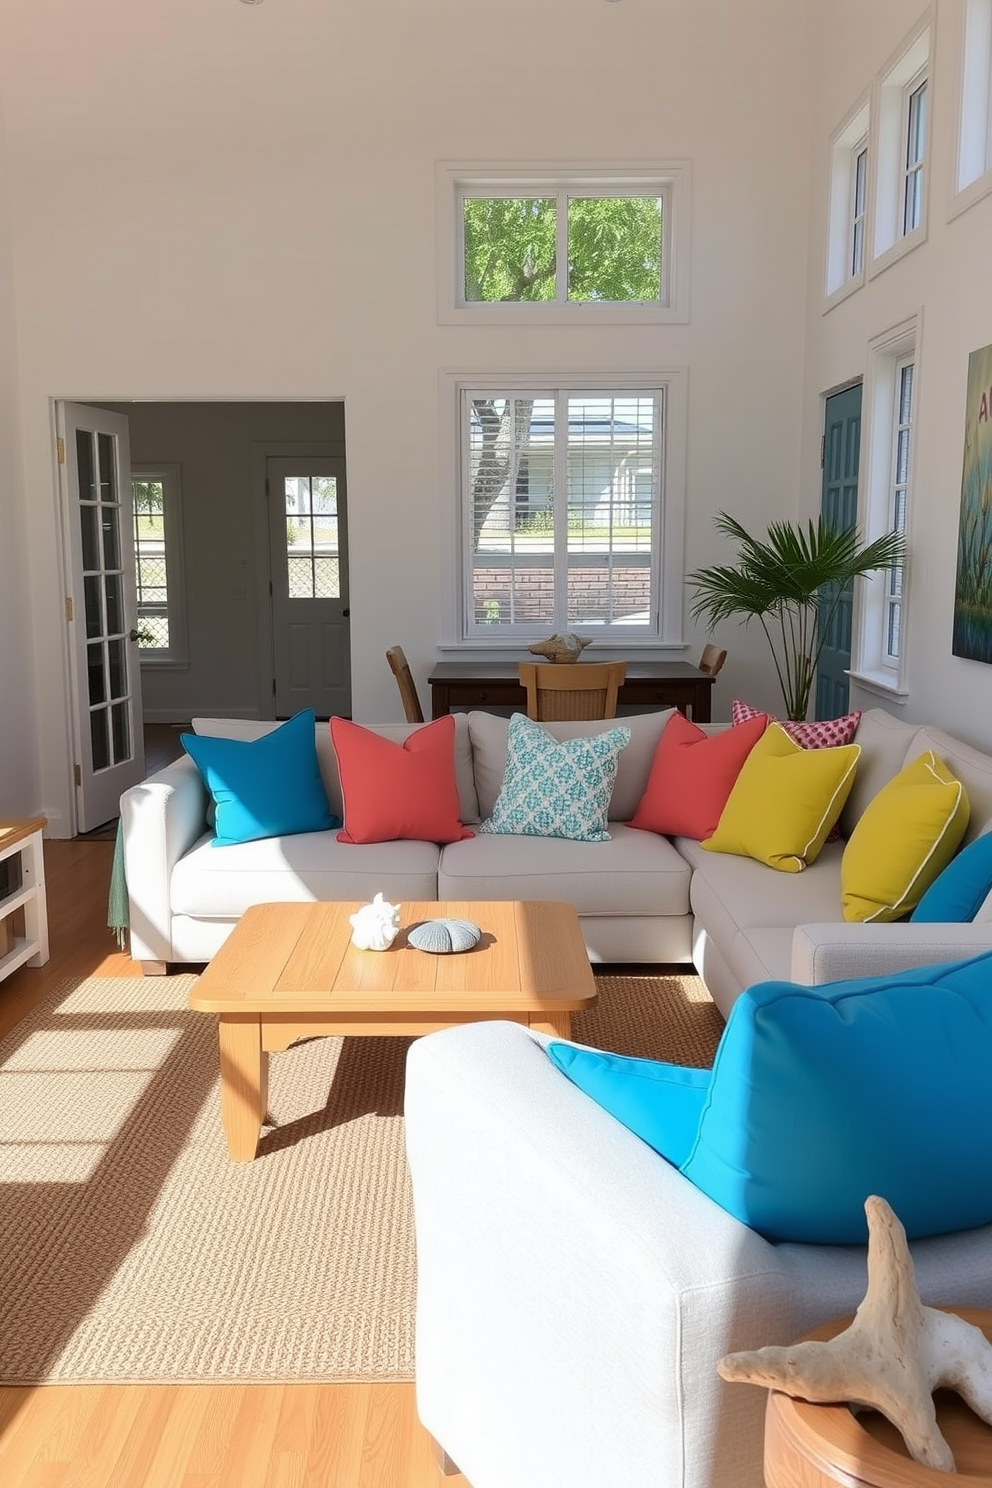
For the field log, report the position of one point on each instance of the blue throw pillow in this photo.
(556, 788)
(660, 1102)
(820, 1096)
(958, 893)
(267, 787)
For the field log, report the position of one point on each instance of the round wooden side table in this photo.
(821, 1446)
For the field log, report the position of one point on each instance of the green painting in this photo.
(973, 590)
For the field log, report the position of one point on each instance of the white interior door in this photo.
(101, 609)
(311, 638)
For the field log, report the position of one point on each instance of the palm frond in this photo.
(782, 579)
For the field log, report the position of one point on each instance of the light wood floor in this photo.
(186, 1436)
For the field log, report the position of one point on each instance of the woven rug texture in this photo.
(134, 1250)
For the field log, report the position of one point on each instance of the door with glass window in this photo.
(839, 507)
(311, 644)
(100, 609)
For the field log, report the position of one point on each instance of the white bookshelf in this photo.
(23, 905)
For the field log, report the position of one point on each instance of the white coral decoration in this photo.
(374, 926)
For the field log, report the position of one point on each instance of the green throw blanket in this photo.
(117, 916)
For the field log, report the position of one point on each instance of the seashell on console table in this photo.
(444, 936)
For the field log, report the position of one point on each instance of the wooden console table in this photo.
(495, 684)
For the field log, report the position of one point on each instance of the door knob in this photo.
(132, 635)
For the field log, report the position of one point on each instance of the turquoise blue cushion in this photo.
(661, 1102)
(554, 788)
(820, 1096)
(267, 787)
(958, 893)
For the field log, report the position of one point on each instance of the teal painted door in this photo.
(839, 505)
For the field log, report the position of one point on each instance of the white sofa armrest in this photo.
(574, 1290)
(162, 818)
(835, 952)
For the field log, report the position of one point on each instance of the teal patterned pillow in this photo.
(555, 788)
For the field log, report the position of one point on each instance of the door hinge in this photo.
(273, 686)
(68, 608)
(60, 449)
(78, 774)
(823, 450)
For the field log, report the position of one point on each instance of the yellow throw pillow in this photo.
(785, 801)
(907, 835)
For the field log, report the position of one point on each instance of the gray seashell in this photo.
(441, 936)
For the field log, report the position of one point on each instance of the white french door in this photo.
(100, 609)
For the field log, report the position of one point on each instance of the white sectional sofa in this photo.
(575, 1291)
(640, 898)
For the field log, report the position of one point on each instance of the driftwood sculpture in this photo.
(566, 646)
(893, 1356)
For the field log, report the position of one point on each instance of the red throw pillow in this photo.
(395, 790)
(692, 775)
(825, 733)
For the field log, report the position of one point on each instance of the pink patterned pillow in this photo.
(825, 734)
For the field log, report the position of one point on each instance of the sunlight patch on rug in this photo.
(134, 1250)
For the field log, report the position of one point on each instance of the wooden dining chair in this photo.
(400, 668)
(576, 690)
(712, 660)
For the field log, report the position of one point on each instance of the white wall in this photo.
(233, 201)
(19, 784)
(947, 277)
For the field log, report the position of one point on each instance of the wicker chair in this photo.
(400, 668)
(580, 690)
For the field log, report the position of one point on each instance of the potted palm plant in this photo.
(792, 582)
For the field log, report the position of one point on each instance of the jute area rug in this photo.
(132, 1249)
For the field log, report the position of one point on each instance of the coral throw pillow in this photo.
(904, 839)
(692, 775)
(392, 790)
(826, 733)
(785, 801)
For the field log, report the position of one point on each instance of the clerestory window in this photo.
(551, 245)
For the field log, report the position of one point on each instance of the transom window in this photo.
(859, 191)
(563, 248)
(564, 518)
(916, 136)
(550, 244)
(847, 219)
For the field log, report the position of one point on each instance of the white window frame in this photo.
(670, 180)
(848, 142)
(873, 667)
(664, 631)
(177, 654)
(973, 165)
(895, 86)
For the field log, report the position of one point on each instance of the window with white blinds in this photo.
(563, 510)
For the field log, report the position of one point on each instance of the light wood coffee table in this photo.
(289, 971)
